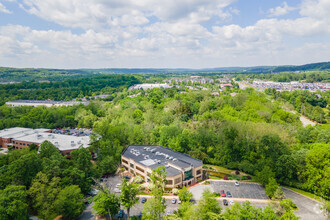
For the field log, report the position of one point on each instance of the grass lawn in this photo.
(220, 169)
(215, 178)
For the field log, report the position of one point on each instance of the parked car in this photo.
(236, 183)
(223, 194)
(179, 201)
(118, 185)
(121, 214)
(117, 190)
(168, 212)
(229, 194)
(231, 202)
(94, 192)
(225, 202)
(143, 200)
(173, 201)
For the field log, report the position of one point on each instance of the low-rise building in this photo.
(181, 169)
(19, 138)
(46, 103)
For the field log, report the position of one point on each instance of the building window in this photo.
(132, 171)
(124, 161)
(139, 169)
(169, 182)
(177, 180)
(198, 172)
(132, 165)
(188, 174)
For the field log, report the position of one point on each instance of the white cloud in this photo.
(108, 13)
(4, 9)
(280, 10)
(149, 33)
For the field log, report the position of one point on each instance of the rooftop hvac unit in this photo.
(56, 143)
(146, 157)
(170, 158)
(39, 136)
(72, 143)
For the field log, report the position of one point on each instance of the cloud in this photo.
(104, 14)
(4, 9)
(279, 11)
(147, 33)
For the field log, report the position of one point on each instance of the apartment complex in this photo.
(19, 138)
(181, 169)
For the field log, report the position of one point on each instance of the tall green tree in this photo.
(70, 202)
(106, 203)
(128, 195)
(13, 203)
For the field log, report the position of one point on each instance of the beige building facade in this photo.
(181, 169)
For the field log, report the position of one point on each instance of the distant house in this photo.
(181, 169)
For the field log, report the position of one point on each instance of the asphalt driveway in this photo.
(308, 208)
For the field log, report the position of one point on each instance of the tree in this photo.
(70, 202)
(47, 149)
(265, 175)
(279, 194)
(128, 194)
(185, 195)
(317, 171)
(208, 205)
(271, 187)
(82, 158)
(154, 208)
(106, 203)
(43, 194)
(13, 203)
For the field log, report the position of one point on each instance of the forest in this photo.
(240, 129)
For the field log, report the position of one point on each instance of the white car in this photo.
(118, 185)
(173, 200)
(236, 183)
(231, 202)
(117, 190)
(179, 201)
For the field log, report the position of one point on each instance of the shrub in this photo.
(225, 177)
(248, 177)
(138, 179)
(237, 172)
(175, 191)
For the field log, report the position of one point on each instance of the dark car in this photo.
(223, 194)
(225, 202)
(121, 214)
(143, 200)
(229, 194)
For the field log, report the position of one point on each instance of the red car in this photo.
(223, 194)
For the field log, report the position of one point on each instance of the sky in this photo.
(163, 34)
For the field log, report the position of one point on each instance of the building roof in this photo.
(45, 102)
(154, 156)
(15, 132)
(62, 142)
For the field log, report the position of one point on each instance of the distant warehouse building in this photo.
(19, 138)
(181, 169)
(46, 103)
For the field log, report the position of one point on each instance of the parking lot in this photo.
(244, 190)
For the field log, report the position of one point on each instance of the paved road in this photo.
(309, 209)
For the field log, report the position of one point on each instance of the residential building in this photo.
(181, 169)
